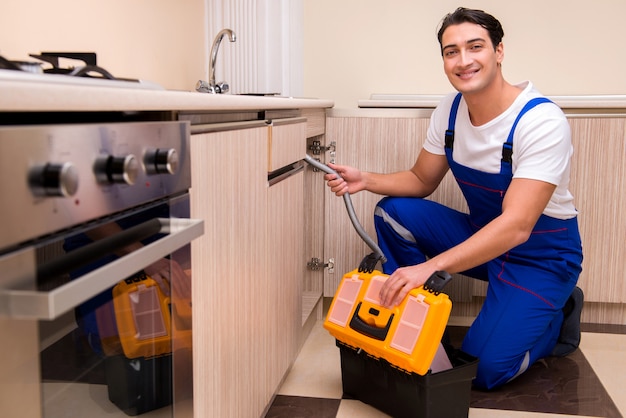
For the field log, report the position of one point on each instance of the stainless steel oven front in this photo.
(95, 271)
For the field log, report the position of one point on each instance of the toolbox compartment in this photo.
(407, 335)
(401, 394)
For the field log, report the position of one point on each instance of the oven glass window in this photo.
(117, 353)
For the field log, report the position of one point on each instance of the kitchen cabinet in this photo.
(600, 195)
(249, 265)
(390, 140)
(248, 306)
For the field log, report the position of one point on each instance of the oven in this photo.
(95, 271)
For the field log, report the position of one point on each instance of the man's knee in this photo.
(387, 204)
(495, 371)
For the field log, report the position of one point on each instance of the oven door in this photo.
(97, 320)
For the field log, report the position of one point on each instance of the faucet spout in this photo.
(214, 49)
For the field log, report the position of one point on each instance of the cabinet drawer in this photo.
(287, 142)
(316, 121)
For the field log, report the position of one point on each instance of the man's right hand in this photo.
(351, 180)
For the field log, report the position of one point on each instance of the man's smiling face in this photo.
(469, 59)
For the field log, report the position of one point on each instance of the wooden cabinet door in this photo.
(229, 191)
(599, 188)
(283, 284)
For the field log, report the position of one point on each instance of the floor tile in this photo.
(355, 409)
(498, 413)
(317, 370)
(566, 385)
(303, 407)
(583, 384)
(606, 353)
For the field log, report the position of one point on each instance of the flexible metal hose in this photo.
(348, 202)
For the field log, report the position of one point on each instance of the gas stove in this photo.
(47, 69)
(98, 162)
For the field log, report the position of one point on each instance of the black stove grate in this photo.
(87, 65)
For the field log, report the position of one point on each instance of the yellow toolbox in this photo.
(142, 313)
(407, 335)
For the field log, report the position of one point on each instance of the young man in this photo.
(509, 149)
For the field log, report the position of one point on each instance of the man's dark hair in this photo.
(478, 17)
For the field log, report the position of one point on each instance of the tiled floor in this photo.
(591, 382)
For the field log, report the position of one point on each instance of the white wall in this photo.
(354, 48)
(267, 56)
(163, 41)
(167, 41)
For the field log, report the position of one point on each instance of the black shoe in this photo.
(569, 338)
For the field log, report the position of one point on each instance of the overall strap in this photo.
(507, 147)
(452, 121)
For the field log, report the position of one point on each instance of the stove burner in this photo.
(88, 69)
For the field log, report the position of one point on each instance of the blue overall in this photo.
(521, 317)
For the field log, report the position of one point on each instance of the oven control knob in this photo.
(161, 161)
(54, 180)
(124, 170)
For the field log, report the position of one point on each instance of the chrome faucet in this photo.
(212, 86)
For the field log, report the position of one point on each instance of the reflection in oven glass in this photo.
(114, 355)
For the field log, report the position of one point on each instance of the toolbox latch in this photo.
(368, 264)
(437, 281)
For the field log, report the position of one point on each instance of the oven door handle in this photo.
(48, 305)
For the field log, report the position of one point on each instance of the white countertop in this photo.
(431, 101)
(23, 92)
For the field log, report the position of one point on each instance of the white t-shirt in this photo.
(542, 146)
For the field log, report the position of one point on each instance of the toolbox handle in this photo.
(437, 281)
(359, 325)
